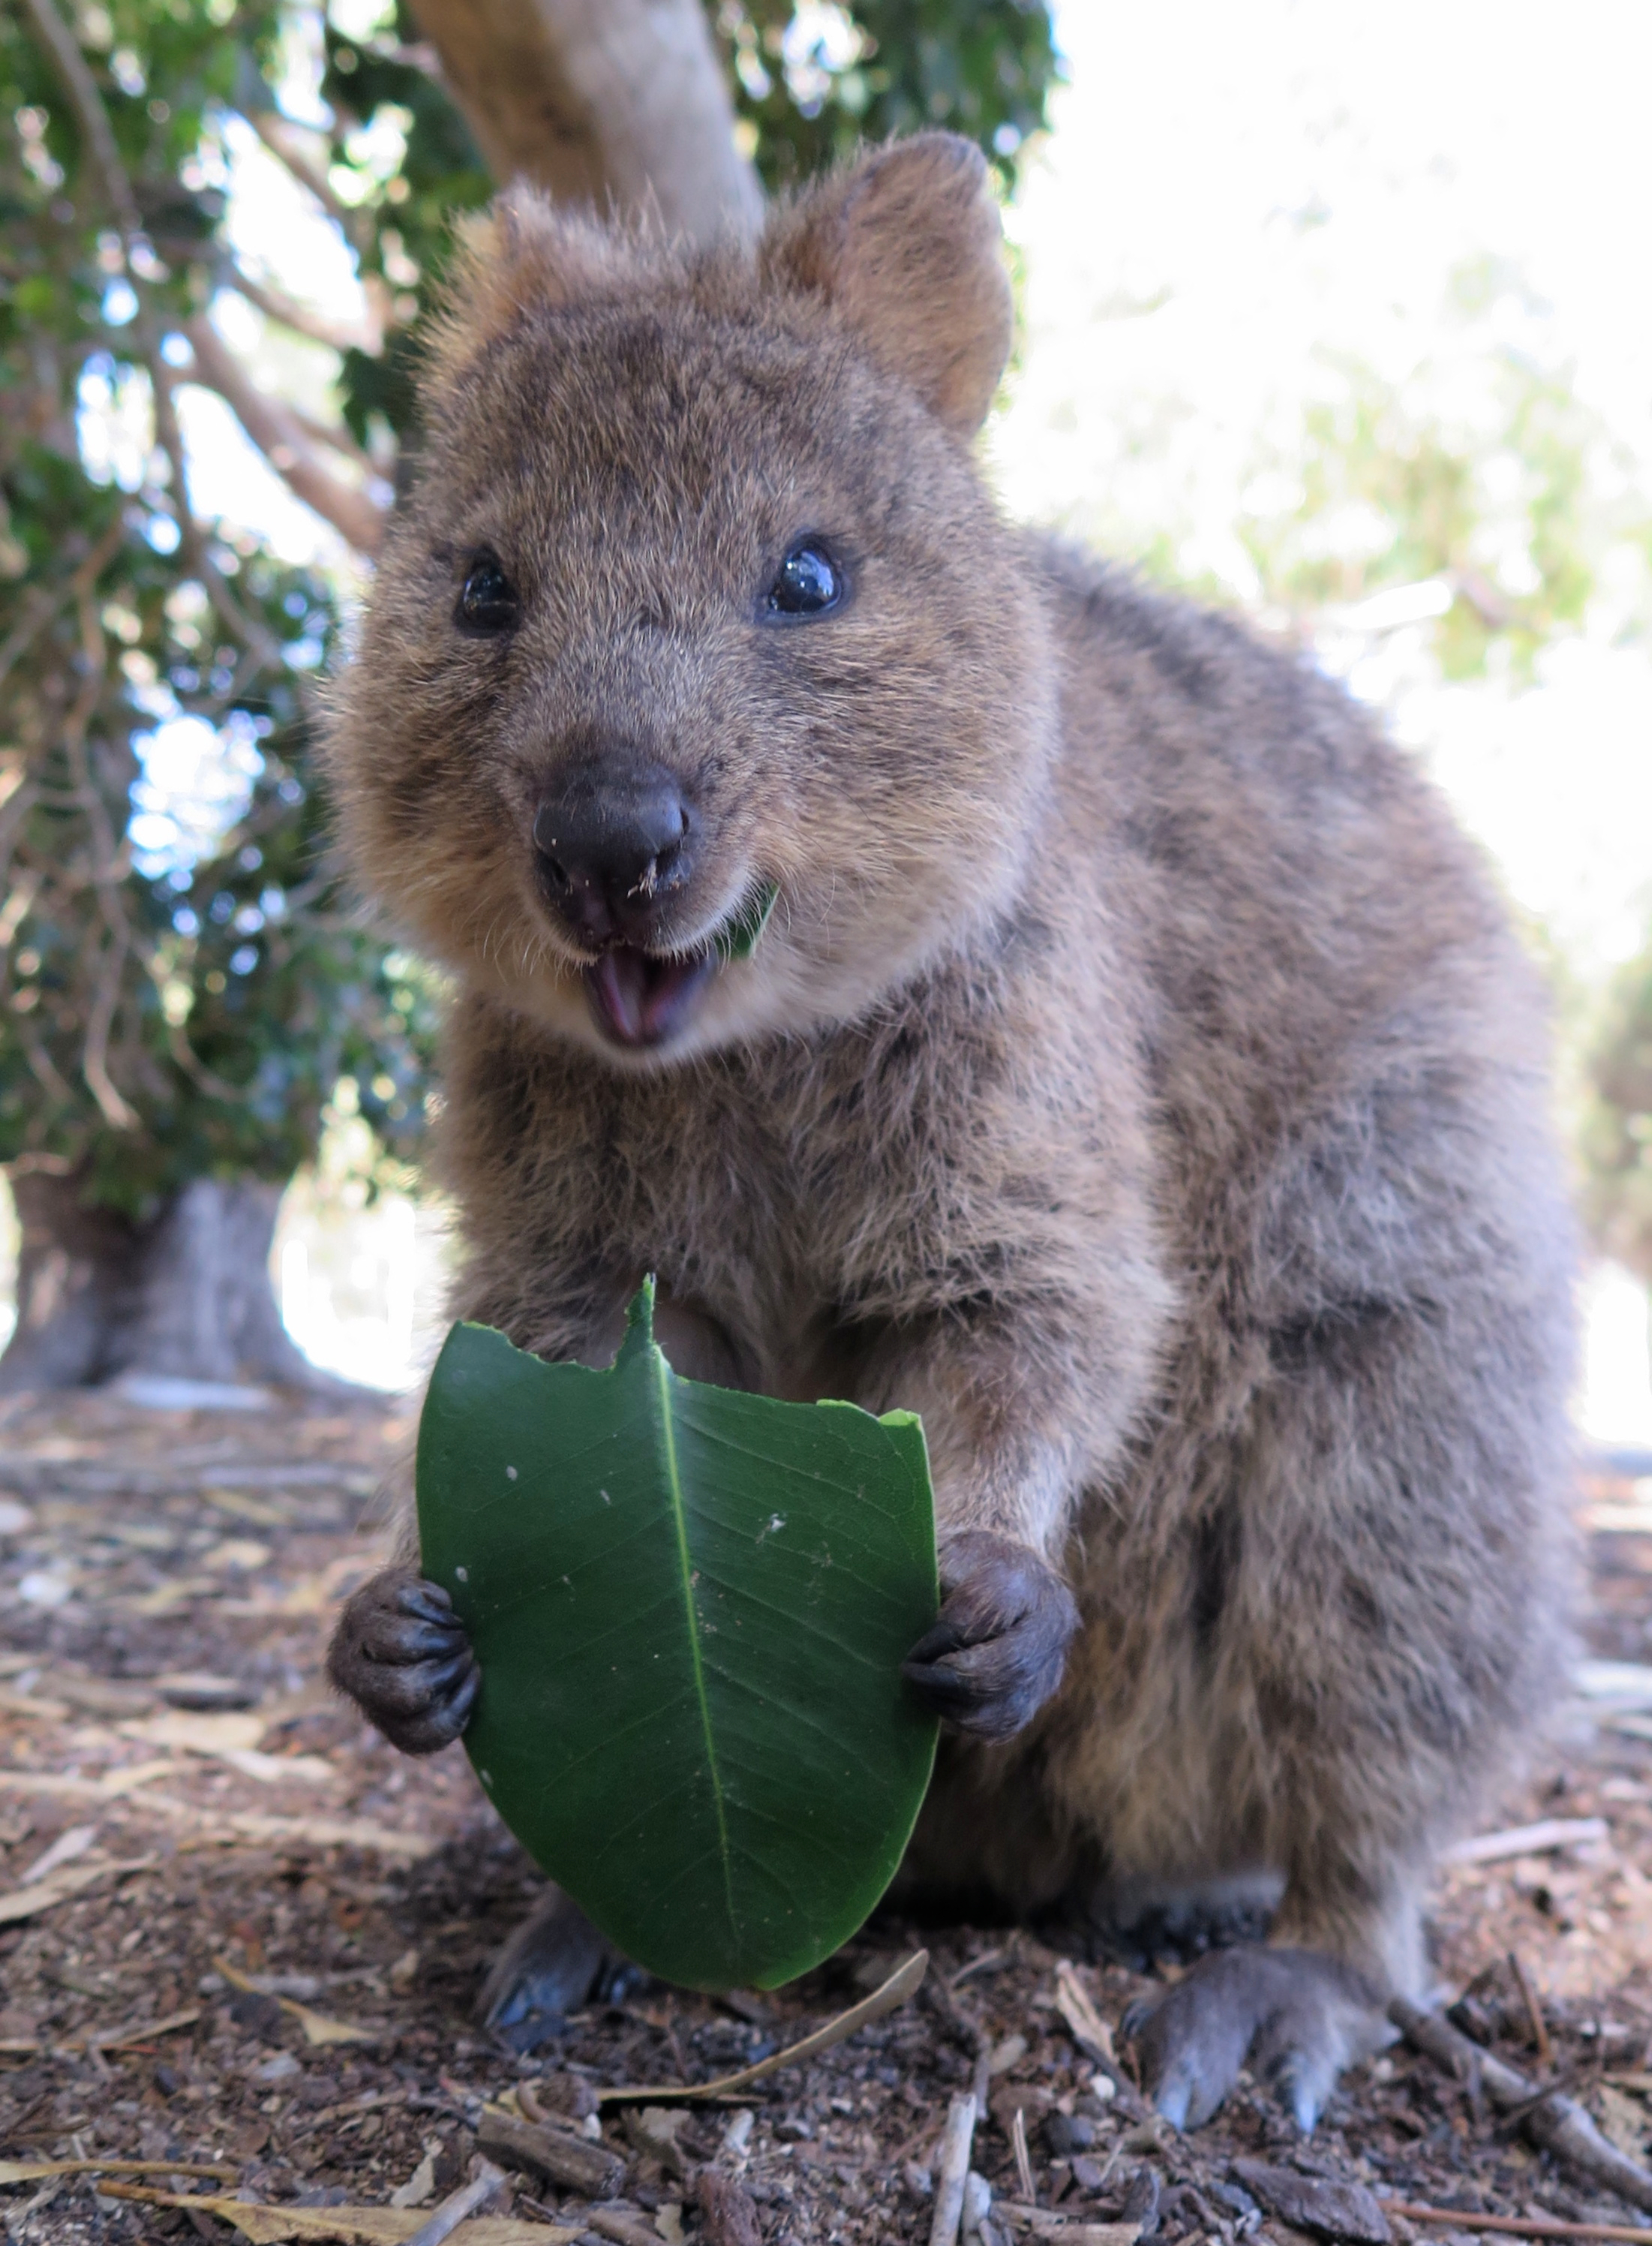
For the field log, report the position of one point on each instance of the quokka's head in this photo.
(700, 608)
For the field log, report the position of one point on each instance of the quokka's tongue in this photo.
(637, 1000)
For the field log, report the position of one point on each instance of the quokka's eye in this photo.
(807, 583)
(488, 601)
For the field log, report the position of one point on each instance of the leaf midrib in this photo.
(674, 1482)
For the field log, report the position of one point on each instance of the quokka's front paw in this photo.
(402, 1655)
(999, 1644)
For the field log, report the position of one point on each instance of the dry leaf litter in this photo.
(241, 1941)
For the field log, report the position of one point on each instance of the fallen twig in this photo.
(1518, 2226)
(1023, 2158)
(573, 2163)
(1094, 2038)
(363, 2226)
(63, 1886)
(482, 2187)
(1528, 1840)
(901, 1986)
(32, 2171)
(1557, 2123)
(951, 2170)
(1533, 2011)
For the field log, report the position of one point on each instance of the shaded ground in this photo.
(166, 1585)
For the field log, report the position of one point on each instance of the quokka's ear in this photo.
(906, 243)
(518, 254)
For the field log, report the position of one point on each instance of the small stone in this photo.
(1065, 2134)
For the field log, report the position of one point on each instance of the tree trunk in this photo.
(604, 102)
(186, 1296)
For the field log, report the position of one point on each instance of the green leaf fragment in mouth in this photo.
(738, 937)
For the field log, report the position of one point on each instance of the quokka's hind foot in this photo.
(546, 1969)
(1298, 2017)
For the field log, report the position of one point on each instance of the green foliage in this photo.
(180, 999)
(181, 989)
(1469, 473)
(1616, 1139)
(1385, 490)
(690, 1607)
(809, 82)
(812, 83)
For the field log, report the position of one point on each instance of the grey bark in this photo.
(187, 1295)
(618, 103)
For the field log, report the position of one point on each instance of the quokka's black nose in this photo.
(612, 849)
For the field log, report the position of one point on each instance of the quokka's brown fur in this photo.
(1138, 1076)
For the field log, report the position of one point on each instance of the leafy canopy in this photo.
(182, 990)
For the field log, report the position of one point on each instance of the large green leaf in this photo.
(691, 1607)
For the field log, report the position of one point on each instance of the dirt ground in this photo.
(209, 1864)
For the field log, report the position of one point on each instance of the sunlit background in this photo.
(1263, 252)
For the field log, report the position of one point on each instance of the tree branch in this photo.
(338, 440)
(618, 102)
(94, 118)
(277, 136)
(94, 123)
(337, 335)
(277, 433)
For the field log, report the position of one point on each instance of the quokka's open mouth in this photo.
(638, 1000)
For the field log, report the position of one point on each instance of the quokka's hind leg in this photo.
(545, 1969)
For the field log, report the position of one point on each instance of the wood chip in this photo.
(625, 2225)
(728, 2214)
(1317, 2204)
(1066, 2230)
(653, 2132)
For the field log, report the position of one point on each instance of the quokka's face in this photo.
(698, 697)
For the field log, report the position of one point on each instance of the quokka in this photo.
(1138, 1077)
